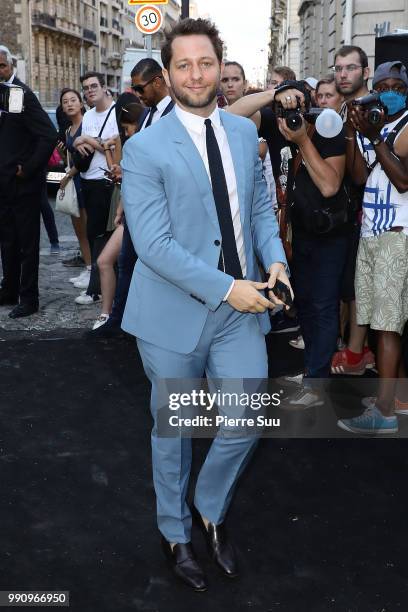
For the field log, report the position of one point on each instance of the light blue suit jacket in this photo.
(172, 219)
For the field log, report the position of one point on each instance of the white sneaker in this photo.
(298, 343)
(290, 380)
(296, 380)
(84, 300)
(101, 320)
(83, 281)
(74, 279)
(305, 398)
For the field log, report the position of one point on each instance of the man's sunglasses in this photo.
(140, 88)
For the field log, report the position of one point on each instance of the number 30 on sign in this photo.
(148, 19)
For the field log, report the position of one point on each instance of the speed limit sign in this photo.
(149, 19)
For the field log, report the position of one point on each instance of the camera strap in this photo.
(389, 141)
(299, 157)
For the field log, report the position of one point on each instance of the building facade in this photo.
(54, 42)
(284, 36)
(326, 25)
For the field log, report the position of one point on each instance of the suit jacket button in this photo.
(217, 242)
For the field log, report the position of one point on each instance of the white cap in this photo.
(312, 82)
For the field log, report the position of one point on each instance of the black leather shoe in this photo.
(184, 564)
(219, 546)
(6, 299)
(23, 310)
(107, 330)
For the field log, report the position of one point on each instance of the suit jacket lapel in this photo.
(191, 156)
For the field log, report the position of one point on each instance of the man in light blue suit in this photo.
(199, 216)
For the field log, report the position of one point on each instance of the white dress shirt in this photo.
(196, 128)
(161, 107)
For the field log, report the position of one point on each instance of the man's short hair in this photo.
(5, 51)
(285, 72)
(238, 65)
(147, 68)
(347, 49)
(95, 74)
(188, 27)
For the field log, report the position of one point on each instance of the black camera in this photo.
(293, 116)
(11, 98)
(373, 106)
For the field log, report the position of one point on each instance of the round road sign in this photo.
(149, 19)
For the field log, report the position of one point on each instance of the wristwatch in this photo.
(376, 141)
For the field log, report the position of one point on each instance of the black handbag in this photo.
(82, 162)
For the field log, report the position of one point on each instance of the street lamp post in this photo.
(185, 9)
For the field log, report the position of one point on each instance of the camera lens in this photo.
(294, 121)
(374, 116)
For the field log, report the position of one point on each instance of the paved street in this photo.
(57, 307)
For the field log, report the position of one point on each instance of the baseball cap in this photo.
(390, 70)
(312, 82)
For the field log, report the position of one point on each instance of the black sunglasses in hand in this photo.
(140, 88)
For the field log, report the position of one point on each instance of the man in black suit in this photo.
(27, 141)
(149, 85)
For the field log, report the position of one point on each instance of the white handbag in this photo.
(67, 200)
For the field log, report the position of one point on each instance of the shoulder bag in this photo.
(66, 200)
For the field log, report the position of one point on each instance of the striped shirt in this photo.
(383, 206)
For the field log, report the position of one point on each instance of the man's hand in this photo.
(289, 98)
(85, 149)
(277, 272)
(299, 137)
(358, 119)
(20, 172)
(245, 297)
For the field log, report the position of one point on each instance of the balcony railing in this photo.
(89, 35)
(115, 24)
(44, 19)
(104, 22)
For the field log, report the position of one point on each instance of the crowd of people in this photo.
(220, 210)
(361, 171)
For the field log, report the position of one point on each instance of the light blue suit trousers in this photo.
(232, 345)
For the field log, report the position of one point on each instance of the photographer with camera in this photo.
(27, 139)
(351, 73)
(381, 163)
(318, 212)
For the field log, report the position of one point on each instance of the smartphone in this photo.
(282, 292)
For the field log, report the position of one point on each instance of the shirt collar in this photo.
(162, 105)
(195, 123)
(11, 79)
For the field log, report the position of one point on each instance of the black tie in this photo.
(150, 117)
(229, 254)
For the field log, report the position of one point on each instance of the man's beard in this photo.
(191, 102)
(353, 88)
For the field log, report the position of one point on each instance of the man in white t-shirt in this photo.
(98, 125)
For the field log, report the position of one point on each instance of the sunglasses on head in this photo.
(140, 88)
